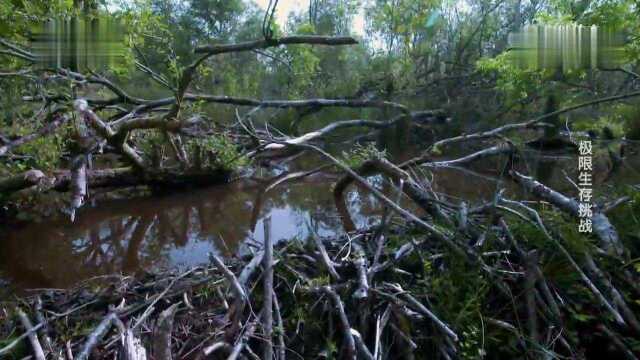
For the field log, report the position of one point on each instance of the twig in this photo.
(33, 336)
(237, 288)
(131, 346)
(44, 331)
(164, 292)
(439, 235)
(95, 336)
(361, 346)
(280, 328)
(418, 306)
(250, 268)
(363, 285)
(267, 310)
(349, 342)
(619, 343)
(532, 122)
(215, 347)
(242, 342)
(326, 260)
(602, 227)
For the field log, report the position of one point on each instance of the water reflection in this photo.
(130, 235)
(178, 230)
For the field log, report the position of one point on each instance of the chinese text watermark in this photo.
(585, 183)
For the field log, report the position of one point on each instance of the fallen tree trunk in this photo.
(330, 128)
(79, 186)
(602, 227)
(21, 181)
(266, 43)
(62, 180)
(410, 188)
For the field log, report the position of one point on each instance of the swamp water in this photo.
(177, 230)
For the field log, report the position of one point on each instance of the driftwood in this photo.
(242, 341)
(499, 131)
(344, 124)
(237, 288)
(384, 300)
(105, 130)
(280, 328)
(363, 283)
(79, 186)
(418, 306)
(44, 332)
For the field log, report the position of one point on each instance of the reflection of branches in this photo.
(131, 261)
(256, 207)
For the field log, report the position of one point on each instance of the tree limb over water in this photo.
(288, 40)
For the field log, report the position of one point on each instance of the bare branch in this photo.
(95, 336)
(162, 338)
(602, 227)
(289, 40)
(267, 311)
(33, 337)
(349, 342)
(57, 120)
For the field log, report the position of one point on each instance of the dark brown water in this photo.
(177, 230)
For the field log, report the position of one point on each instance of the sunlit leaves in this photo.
(402, 23)
(514, 82)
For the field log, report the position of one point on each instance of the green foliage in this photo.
(466, 292)
(304, 69)
(402, 22)
(220, 152)
(629, 116)
(626, 218)
(621, 119)
(18, 16)
(471, 346)
(516, 83)
(207, 292)
(358, 154)
(319, 281)
(19, 352)
(44, 153)
(613, 122)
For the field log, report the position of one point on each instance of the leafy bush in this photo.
(361, 153)
(43, 153)
(220, 152)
